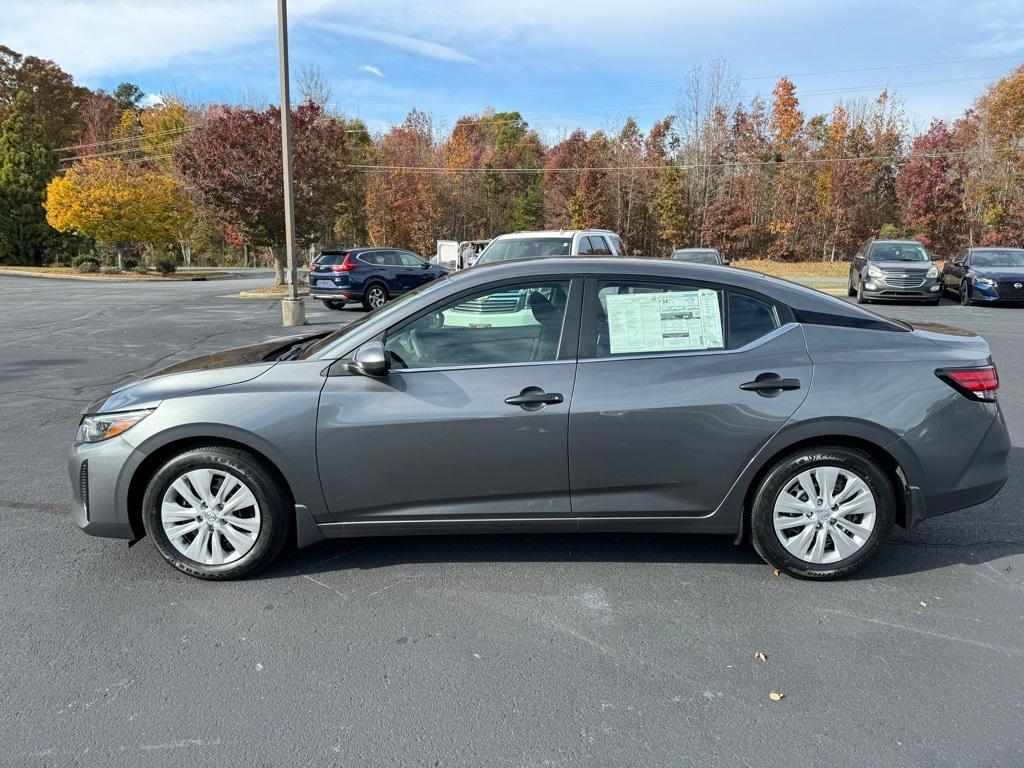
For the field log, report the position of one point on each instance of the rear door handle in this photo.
(770, 384)
(534, 398)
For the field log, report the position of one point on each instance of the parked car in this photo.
(985, 275)
(636, 395)
(371, 276)
(894, 270)
(564, 242)
(699, 256)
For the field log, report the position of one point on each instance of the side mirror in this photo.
(726, 262)
(370, 360)
(425, 265)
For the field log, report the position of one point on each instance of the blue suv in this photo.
(368, 275)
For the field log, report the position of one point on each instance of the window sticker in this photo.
(677, 321)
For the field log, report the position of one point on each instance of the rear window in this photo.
(697, 257)
(330, 259)
(526, 248)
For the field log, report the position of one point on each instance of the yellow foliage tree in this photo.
(117, 203)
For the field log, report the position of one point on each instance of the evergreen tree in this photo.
(27, 163)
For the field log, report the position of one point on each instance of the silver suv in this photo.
(561, 242)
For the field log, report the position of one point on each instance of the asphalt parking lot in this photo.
(553, 650)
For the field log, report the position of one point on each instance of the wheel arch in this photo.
(881, 445)
(162, 453)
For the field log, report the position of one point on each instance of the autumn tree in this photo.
(232, 161)
(118, 203)
(27, 163)
(931, 190)
(56, 97)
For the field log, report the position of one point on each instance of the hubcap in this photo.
(210, 517)
(824, 515)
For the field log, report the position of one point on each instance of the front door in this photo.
(470, 423)
(675, 393)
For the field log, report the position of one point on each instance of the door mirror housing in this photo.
(371, 359)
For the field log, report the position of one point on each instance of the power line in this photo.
(682, 166)
(90, 145)
(121, 152)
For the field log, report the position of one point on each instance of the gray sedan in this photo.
(593, 394)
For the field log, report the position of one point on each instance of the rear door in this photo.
(675, 392)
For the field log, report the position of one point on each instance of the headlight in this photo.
(984, 281)
(103, 426)
(933, 272)
(875, 272)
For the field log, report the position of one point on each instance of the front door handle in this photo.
(534, 398)
(770, 384)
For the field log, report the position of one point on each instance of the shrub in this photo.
(78, 261)
(165, 266)
(130, 264)
(142, 269)
(110, 270)
(88, 265)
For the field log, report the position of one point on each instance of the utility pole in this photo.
(293, 311)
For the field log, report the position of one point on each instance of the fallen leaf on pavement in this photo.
(924, 604)
(760, 656)
(775, 572)
(776, 696)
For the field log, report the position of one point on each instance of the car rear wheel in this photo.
(850, 290)
(822, 513)
(334, 304)
(217, 512)
(375, 296)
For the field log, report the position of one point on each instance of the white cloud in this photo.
(152, 100)
(371, 70)
(416, 45)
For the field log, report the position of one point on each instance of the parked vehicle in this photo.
(894, 270)
(565, 242)
(371, 276)
(636, 395)
(985, 275)
(699, 256)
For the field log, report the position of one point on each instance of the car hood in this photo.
(1001, 274)
(910, 267)
(220, 369)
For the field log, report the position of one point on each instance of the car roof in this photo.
(553, 233)
(704, 249)
(996, 248)
(361, 249)
(909, 241)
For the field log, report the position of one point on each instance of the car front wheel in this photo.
(376, 296)
(217, 512)
(822, 513)
(965, 295)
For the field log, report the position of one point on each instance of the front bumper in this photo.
(1004, 292)
(100, 475)
(878, 289)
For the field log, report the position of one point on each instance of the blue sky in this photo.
(562, 63)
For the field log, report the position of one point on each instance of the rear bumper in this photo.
(339, 294)
(100, 474)
(962, 454)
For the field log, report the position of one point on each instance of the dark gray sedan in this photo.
(596, 395)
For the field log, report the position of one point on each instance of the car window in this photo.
(1002, 258)
(598, 246)
(509, 324)
(408, 260)
(630, 318)
(616, 242)
(330, 259)
(376, 258)
(897, 252)
(749, 319)
(585, 249)
(525, 248)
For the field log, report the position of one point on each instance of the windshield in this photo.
(1008, 258)
(698, 257)
(898, 252)
(525, 248)
(337, 338)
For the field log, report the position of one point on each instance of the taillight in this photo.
(979, 383)
(347, 265)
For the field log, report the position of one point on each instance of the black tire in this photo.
(860, 294)
(850, 290)
(370, 295)
(334, 304)
(965, 297)
(782, 473)
(276, 509)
